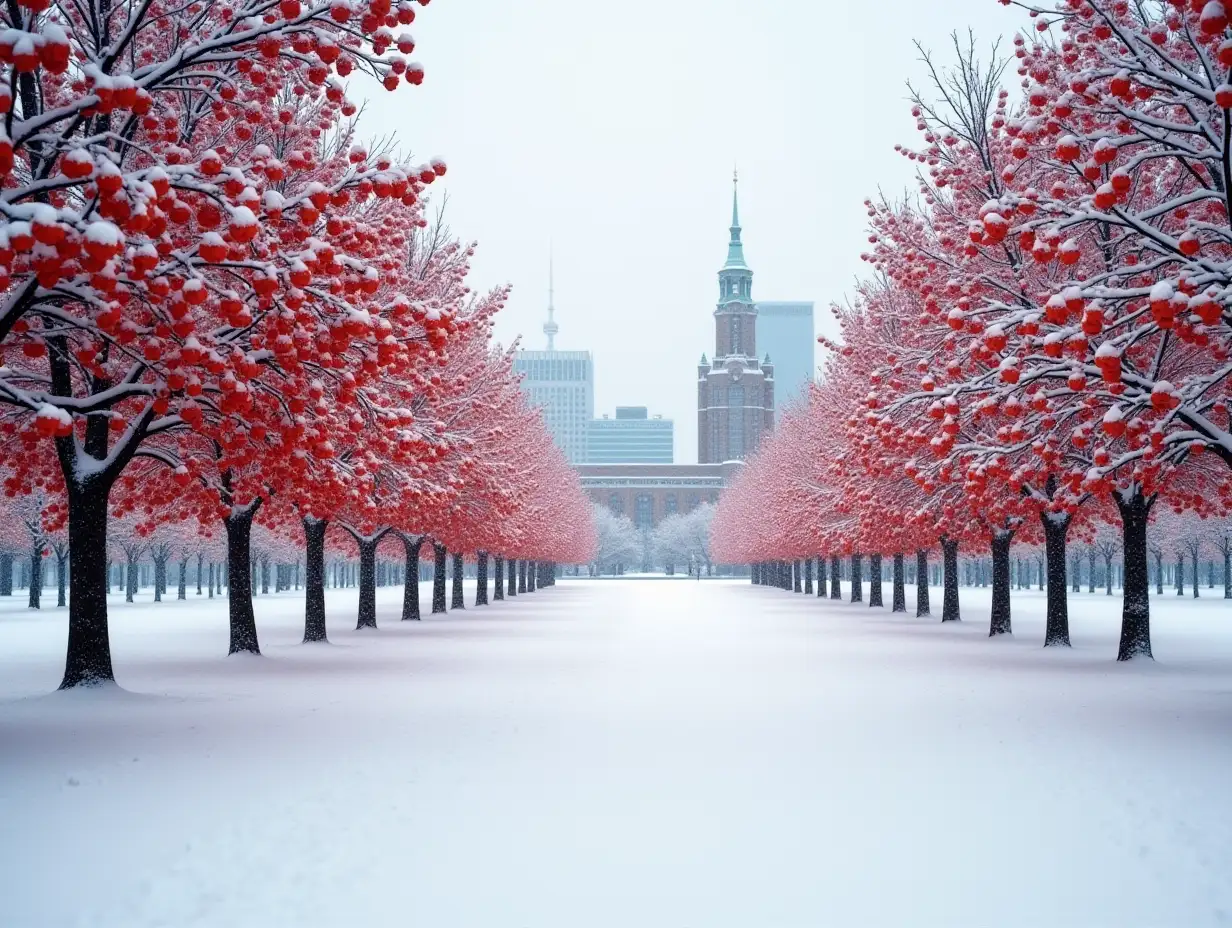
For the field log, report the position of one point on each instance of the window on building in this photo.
(735, 334)
(643, 512)
(735, 422)
(669, 503)
(616, 504)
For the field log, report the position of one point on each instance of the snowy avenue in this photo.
(617, 753)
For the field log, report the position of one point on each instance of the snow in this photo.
(621, 753)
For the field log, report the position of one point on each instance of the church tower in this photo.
(735, 392)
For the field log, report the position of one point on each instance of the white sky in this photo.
(611, 130)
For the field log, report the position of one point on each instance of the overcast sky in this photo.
(611, 131)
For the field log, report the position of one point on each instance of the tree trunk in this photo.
(367, 581)
(1180, 575)
(1056, 628)
(796, 578)
(900, 592)
(130, 580)
(36, 578)
(239, 581)
(821, 577)
(88, 657)
(61, 579)
(458, 602)
(874, 580)
(922, 606)
(512, 588)
(410, 580)
(481, 578)
(1193, 560)
(522, 576)
(1227, 574)
(314, 592)
(1135, 642)
(498, 578)
(181, 590)
(160, 578)
(949, 560)
(857, 579)
(836, 573)
(808, 576)
(999, 623)
(439, 568)
(6, 575)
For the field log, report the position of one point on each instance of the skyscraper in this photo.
(735, 391)
(562, 384)
(785, 333)
(632, 437)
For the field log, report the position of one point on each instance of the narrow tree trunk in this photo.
(498, 578)
(61, 579)
(1227, 573)
(88, 657)
(481, 578)
(130, 581)
(1135, 642)
(200, 565)
(808, 576)
(1180, 575)
(438, 578)
(410, 579)
(836, 573)
(821, 577)
(796, 578)
(512, 589)
(314, 593)
(922, 606)
(522, 576)
(857, 579)
(900, 592)
(160, 578)
(1159, 573)
(181, 591)
(1196, 584)
(999, 623)
(874, 580)
(36, 578)
(1056, 628)
(6, 575)
(949, 560)
(367, 581)
(239, 581)
(458, 602)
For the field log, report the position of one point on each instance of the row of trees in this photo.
(221, 311)
(1042, 347)
(679, 541)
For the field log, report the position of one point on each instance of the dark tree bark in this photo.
(314, 595)
(88, 659)
(181, 591)
(36, 577)
(821, 576)
(1227, 573)
(6, 575)
(512, 588)
(874, 581)
(1056, 528)
(481, 578)
(239, 580)
(808, 575)
(367, 576)
(200, 565)
(949, 561)
(160, 578)
(1135, 509)
(922, 606)
(438, 578)
(999, 623)
(755, 574)
(61, 578)
(410, 579)
(498, 578)
(796, 584)
(522, 576)
(532, 569)
(458, 601)
(836, 573)
(857, 579)
(1180, 575)
(900, 592)
(130, 580)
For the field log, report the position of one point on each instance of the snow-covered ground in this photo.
(621, 754)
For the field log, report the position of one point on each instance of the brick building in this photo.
(647, 493)
(735, 391)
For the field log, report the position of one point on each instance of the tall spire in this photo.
(550, 328)
(735, 248)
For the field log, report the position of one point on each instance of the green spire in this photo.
(735, 248)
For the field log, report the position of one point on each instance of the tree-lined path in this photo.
(611, 753)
